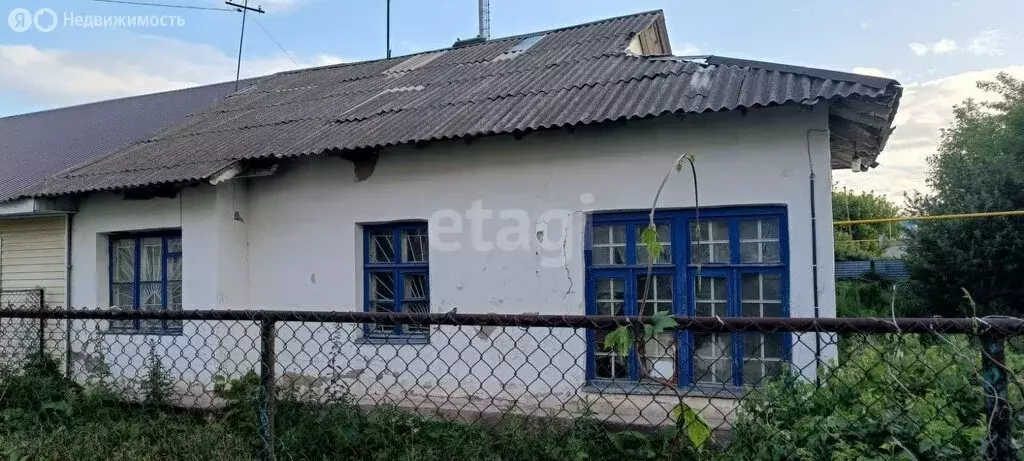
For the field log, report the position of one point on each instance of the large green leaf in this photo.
(692, 424)
(619, 341)
(649, 238)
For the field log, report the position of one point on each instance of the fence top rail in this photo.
(986, 325)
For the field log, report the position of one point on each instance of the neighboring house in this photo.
(33, 147)
(511, 175)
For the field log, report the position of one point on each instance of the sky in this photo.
(937, 49)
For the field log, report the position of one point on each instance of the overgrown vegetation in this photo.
(873, 296)
(45, 416)
(979, 167)
(891, 398)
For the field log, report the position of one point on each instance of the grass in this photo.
(43, 416)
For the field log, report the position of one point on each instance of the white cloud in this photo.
(986, 43)
(943, 46)
(924, 109)
(55, 77)
(873, 71)
(687, 49)
(919, 49)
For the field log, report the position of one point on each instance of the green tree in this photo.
(862, 241)
(979, 167)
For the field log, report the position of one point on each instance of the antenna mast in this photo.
(387, 40)
(244, 8)
(485, 19)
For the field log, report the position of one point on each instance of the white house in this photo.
(502, 176)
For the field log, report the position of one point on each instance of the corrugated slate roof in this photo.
(36, 146)
(572, 76)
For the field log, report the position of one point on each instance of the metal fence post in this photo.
(42, 323)
(999, 444)
(268, 358)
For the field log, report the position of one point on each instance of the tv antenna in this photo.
(244, 8)
(387, 29)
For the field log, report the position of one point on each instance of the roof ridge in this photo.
(656, 12)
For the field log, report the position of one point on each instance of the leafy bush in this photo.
(872, 296)
(891, 395)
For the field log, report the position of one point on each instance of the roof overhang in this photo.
(28, 207)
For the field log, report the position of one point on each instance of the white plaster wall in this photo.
(214, 276)
(293, 241)
(305, 237)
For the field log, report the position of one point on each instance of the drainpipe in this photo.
(814, 253)
(67, 295)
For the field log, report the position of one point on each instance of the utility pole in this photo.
(244, 8)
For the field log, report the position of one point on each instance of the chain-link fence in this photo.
(353, 385)
(22, 337)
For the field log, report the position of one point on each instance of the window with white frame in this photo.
(146, 274)
(734, 264)
(397, 279)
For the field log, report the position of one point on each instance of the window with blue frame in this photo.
(396, 263)
(731, 262)
(145, 274)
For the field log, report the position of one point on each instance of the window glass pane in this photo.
(123, 295)
(712, 362)
(124, 260)
(759, 241)
(762, 353)
(611, 296)
(382, 247)
(664, 239)
(609, 245)
(151, 296)
(382, 286)
(174, 303)
(174, 245)
(174, 296)
(151, 299)
(608, 365)
(415, 286)
(658, 291)
(711, 296)
(709, 242)
(174, 267)
(761, 295)
(151, 264)
(712, 352)
(381, 306)
(415, 247)
(660, 355)
(416, 307)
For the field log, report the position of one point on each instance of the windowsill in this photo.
(172, 332)
(405, 340)
(623, 387)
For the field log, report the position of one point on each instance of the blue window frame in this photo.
(732, 262)
(145, 274)
(396, 276)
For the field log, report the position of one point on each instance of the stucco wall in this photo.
(293, 240)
